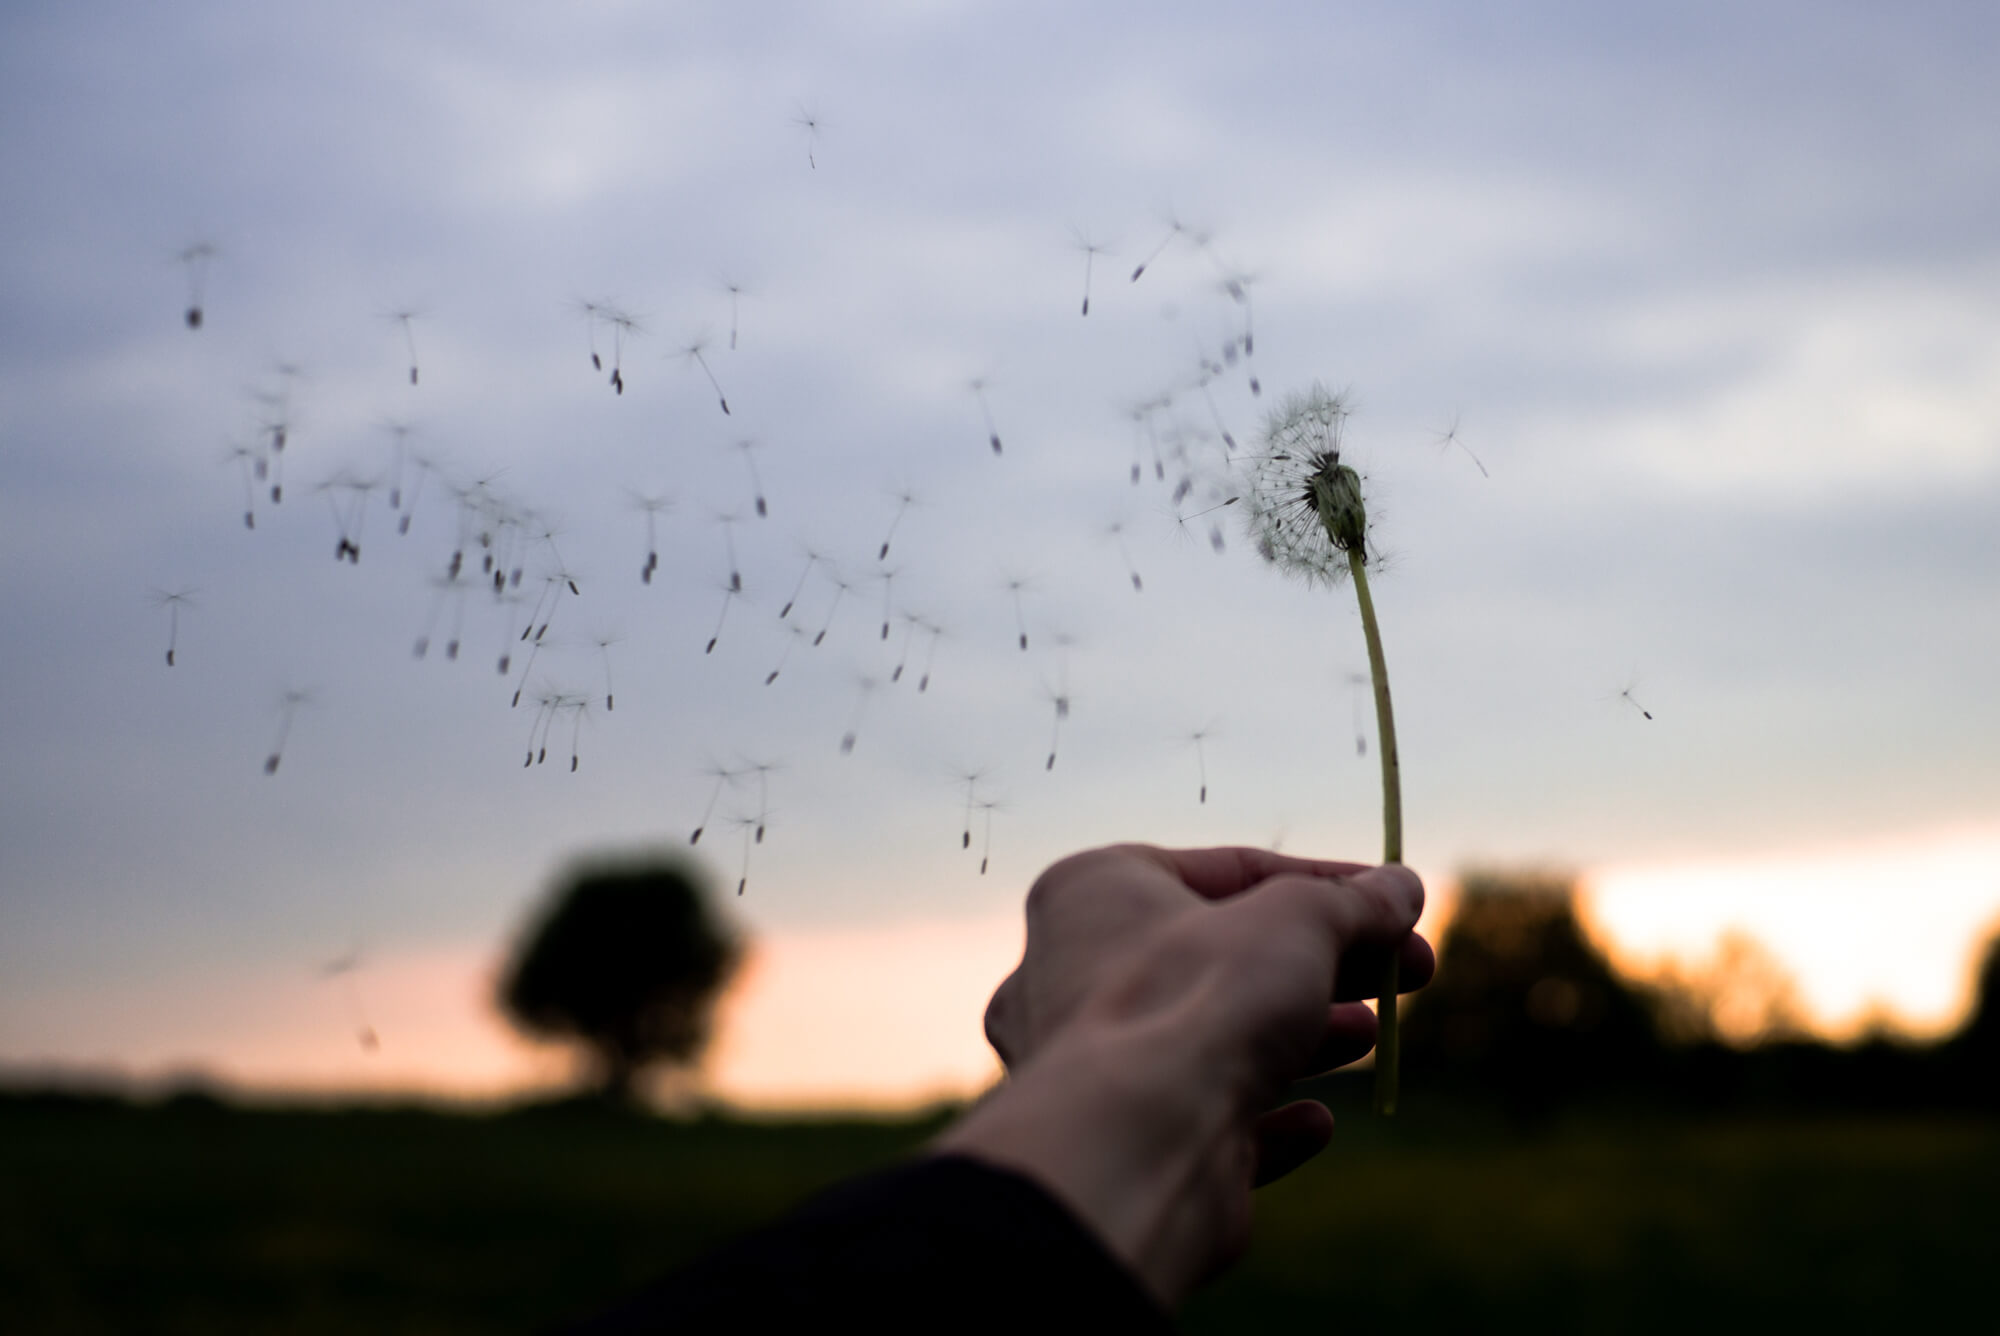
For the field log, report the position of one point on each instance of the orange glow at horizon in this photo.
(889, 1016)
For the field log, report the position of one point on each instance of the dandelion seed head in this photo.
(1305, 506)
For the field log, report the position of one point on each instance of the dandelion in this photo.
(978, 386)
(730, 590)
(746, 824)
(1091, 250)
(905, 498)
(728, 522)
(1116, 533)
(1625, 694)
(888, 578)
(173, 600)
(1182, 521)
(693, 353)
(794, 634)
(622, 325)
(288, 706)
(1310, 519)
(407, 319)
(1058, 697)
(735, 291)
(812, 560)
(347, 497)
(911, 623)
(747, 449)
(988, 806)
(1447, 438)
(866, 689)
(251, 463)
(195, 261)
(1016, 585)
(930, 655)
(604, 643)
(1198, 738)
(578, 707)
(840, 588)
(346, 969)
(724, 777)
(969, 778)
(763, 769)
(1175, 228)
(808, 120)
(654, 507)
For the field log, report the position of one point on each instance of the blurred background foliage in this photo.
(1579, 1151)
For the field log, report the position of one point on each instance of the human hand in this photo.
(1164, 1000)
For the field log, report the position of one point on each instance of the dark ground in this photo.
(194, 1216)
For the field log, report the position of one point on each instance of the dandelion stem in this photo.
(1388, 1064)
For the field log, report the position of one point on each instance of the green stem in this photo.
(1388, 1064)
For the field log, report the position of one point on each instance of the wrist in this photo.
(1120, 1127)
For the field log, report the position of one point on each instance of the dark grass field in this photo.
(191, 1216)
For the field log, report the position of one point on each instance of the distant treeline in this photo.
(1528, 1012)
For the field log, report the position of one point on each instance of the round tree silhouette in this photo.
(626, 960)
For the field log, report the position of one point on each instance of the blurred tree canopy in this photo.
(626, 959)
(1524, 1006)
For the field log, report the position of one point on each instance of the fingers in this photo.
(1216, 874)
(1364, 970)
(1350, 1033)
(1288, 1137)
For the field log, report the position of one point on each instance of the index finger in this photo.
(1217, 874)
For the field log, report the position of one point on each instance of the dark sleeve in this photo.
(945, 1243)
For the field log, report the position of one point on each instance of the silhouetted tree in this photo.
(1524, 1006)
(627, 960)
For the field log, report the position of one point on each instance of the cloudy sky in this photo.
(1710, 298)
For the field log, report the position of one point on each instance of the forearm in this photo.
(1119, 1126)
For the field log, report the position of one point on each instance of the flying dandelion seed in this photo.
(546, 704)
(399, 437)
(1175, 228)
(763, 769)
(1310, 519)
(513, 603)
(812, 560)
(888, 579)
(808, 120)
(748, 450)
(969, 778)
(988, 806)
(847, 740)
(425, 468)
(985, 412)
(840, 588)
(288, 707)
(724, 778)
(794, 633)
(654, 507)
(1199, 739)
(1116, 533)
(1091, 250)
(936, 633)
(446, 587)
(578, 707)
(195, 261)
(911, 624)
(407, 319)
(278, 426)
(746, 824)
(1237, 286)
(173, 600)
(727, 520)
(693, 353)
(1449, 437)
(1184, 522)
(527, 668)
(593, 312)
(249, 462)
(604, 643)
(1015, 587)
(623, 326)
(1625, 694)
(735, 291)
(730, 591)
(904, 500)
(346, 969)
(347, 498)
